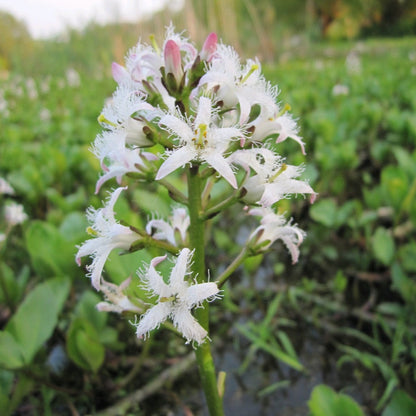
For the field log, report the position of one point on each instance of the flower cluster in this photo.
(177, 108)
(13, 213)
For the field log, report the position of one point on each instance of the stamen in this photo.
(169, 299)
(102, 119)
(281, 170)
(154, 43)
(91, 232)
(253, 68)
(200, 140)
(285, 108)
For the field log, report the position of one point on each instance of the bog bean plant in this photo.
(195, 248)
(207, 118)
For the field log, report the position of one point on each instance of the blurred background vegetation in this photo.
(344, 316)
(263, 28)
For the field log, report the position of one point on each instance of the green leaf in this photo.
(84, 346)
(325, 401)
(402, 283)
(383, 246)
(50, 253)
(73, 227)
(401, 404)
(395, 185)
(6, 384)
(92, 350)
(325, 212)
(279, 354)
(406, 161)
(33, 323)
(11, 356)
(340, 281)
(407, 255)
(86, 309)
(10, 285)
(120, 266)
(14, 284)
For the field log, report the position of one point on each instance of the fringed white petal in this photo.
(188, 326)
(222, 167)
(196, 294)
(164, 231)
(177, 159)
(152, 319)
(179, 271)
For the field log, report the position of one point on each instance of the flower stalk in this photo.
(197, 242)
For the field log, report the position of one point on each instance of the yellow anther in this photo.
(102, 119)
(285, 108)
(169, 299)
(92, 232)
(200, 139)
(253, 68)
(154, 43)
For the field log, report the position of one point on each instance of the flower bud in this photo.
(173, 62)
(209, 48)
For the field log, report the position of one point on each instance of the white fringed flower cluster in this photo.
(176, 106)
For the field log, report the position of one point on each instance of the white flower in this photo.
(72, 78)
(275, 227)
(116, 159)
(200, 140)
(273, 122)
(175, 299)
(117, 301)
(288, 128)
(31, 89)
(143, 63)
(109, 234)
(5, 187)
(179, 221)
(125, 116)
(235, 84)
(45, 115)
(339, 89)
(274, 179)
(127, 109)
(14, 214)
(353, 63)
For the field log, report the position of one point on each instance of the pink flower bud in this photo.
(210, 46)
(119, 72)
(173, 64)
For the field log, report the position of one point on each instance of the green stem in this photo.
(174, 193)
(244, 253)
(148, 241)
(197, 243)
(225, 203)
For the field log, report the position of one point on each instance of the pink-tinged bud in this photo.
(173, 63)
(158, 260)
(210, 46)
(119, 72)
